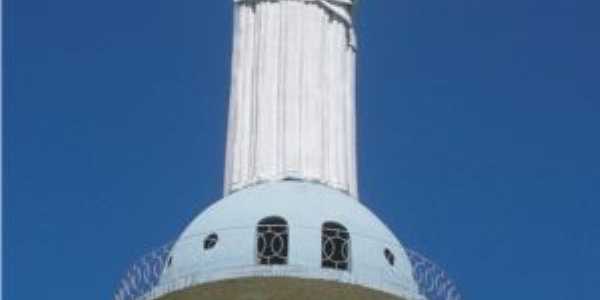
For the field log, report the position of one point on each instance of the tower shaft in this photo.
(292, 102)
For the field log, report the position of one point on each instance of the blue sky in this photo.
(478, 120)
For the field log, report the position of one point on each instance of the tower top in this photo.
(340, 8)
(292, 102)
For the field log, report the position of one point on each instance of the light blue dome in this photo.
(221, 243)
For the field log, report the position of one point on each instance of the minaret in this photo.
(292, 104)
(289, 226)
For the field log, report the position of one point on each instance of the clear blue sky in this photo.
(479, 137)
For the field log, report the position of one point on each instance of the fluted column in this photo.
(292, 103)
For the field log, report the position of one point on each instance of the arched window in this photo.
(272, 241)
(335, 246)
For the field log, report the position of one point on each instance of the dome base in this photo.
(279, 288)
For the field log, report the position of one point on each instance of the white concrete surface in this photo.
(292, 103)
(305, 206)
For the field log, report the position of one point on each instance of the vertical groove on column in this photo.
(343, 155)
(281, 53)
(351, 161)
(326, 87)
(337, 129)
(252, 164)
(246, 148)
(233, 105)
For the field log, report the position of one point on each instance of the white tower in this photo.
(290, 225)
(292, 107)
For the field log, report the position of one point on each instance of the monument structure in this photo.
(291, 225)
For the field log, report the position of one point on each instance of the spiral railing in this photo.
(433, 281)
(145, 276)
